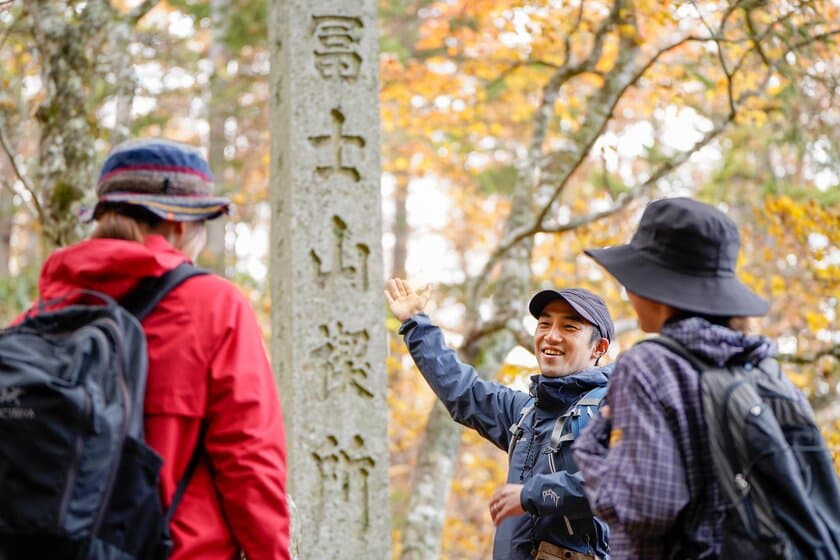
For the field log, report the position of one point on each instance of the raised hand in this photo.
(403, 300)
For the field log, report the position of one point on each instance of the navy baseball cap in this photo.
(585, 303)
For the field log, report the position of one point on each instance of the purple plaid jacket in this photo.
(648, 472)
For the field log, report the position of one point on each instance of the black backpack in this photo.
(77, 480)
(775, 473)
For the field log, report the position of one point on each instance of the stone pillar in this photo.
(328, 339)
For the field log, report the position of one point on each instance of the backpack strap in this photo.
(516, 428)
(185, 480)
(140, 302)
(150, 290)
(584, 405)
(593, 398)
(689, 517)
(165, 544)
(679, 349)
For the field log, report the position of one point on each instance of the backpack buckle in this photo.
(741, 484)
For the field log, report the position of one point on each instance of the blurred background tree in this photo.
(515, 134)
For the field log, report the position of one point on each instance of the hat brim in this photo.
(543, 298)
(710, 295)
(171, 208)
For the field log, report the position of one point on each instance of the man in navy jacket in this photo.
(541, 512)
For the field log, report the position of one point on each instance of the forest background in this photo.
(514, 134)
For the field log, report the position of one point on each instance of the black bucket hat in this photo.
(683, 254)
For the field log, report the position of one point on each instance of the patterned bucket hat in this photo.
(170, 179)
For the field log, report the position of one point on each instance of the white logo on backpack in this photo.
(10, 405)
(11, 396)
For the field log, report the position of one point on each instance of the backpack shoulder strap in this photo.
(516, 428)
(140, 302)
(590, 400)
(165, 545)
(680, 350)
(150, 290)
(185, 479)
(593, 397)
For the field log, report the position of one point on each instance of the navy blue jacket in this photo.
(553, 497)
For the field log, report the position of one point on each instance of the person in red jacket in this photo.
(207, 362)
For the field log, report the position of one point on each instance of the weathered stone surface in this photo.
(326, 273)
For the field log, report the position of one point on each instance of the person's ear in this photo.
(600, 348)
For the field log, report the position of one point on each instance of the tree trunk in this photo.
(214, 255)
(67, 47)
(401, 230)
(119, 59)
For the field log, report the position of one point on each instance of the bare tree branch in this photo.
(523, 338)
(9, 187)
(10, 28)
(566, 71)
(719, 49)
(801, 359)
(537, 225)
(516, 65)
(814, 39)
(29, 207)
(38, 210)
(141, 10)
(584, 152)
(487, 328)
(567, 42)
(626, 198)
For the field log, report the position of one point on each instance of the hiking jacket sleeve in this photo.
(245, 438)
(559, 493)
(632, 464)
(488, 407)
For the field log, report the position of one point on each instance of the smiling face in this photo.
(563, 341)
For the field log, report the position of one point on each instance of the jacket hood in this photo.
(112, 266)
(558, 393)
(718, 344)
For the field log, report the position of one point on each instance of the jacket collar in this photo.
(718, 344)
(559, 393)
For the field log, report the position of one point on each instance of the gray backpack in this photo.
(775, 472)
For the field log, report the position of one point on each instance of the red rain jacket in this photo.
(207, 361)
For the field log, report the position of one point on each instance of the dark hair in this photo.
(124, 221)
(723, 321)
(593, 339)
